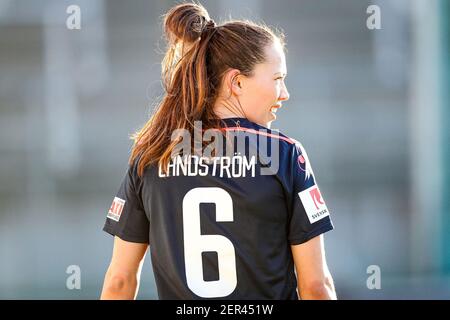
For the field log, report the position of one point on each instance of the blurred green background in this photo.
(370, 106)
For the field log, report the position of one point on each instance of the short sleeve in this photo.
(126, 217)
(309, 213)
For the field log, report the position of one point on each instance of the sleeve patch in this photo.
(313, 203)
(116, 209)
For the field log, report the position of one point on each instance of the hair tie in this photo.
(209, 25)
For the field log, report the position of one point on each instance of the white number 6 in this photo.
(195, 243)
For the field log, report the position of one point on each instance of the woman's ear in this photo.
(237, 82)
(234, 82)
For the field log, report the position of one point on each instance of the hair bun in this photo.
(186, 22)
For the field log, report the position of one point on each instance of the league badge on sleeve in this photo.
(313, 203)
(116, 209)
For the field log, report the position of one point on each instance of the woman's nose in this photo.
(284, 94)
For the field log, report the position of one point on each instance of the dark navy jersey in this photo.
(221, 227)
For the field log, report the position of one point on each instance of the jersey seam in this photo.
(326, 226)
(124, 236)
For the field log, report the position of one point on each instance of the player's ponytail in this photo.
(199, 53)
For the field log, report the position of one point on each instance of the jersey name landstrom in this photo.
(228, 167)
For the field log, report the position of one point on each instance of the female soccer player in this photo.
(245, 224)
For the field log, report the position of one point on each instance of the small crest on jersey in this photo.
(116, 209)
(313, 203)
(303, 163)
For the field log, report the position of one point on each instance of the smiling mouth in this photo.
(275, 108)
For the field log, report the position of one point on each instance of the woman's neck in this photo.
(223, 109)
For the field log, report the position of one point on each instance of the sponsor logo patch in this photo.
(116, 209)
(313, 203)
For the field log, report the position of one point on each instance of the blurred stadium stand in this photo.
(370, 107)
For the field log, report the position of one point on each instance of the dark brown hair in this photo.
(198, 55)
